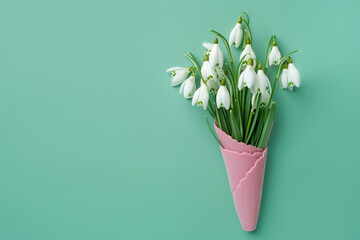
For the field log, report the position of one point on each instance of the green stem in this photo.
(267, 54)
(197, 66)
(248, 125)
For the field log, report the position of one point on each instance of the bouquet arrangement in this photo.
(239, 97)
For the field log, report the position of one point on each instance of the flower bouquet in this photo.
(239, 97)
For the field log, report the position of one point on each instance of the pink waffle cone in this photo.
(245, 166)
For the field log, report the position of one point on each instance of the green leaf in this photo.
(267, 127)
(234, 131)
(257, 104)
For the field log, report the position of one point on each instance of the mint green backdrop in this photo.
(95, 144)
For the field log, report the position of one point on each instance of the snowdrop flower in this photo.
(293, 75)
(223, 97)
(216, 58)
(201, 96)
(178, 75)
(264, 99)
(236, 34)
(275, 55)
(208, 47)
(290, 76)
(284, 77)
(213, 85)
(263, 82)
(188, 87)
(248, 52)
(206, 71)
(248, 76)
(209, 75)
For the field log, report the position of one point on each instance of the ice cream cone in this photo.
(245, 166)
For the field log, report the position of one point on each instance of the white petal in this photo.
(216, 57)
(253, 100)
(264, 83)
(212, 85)
(248, 53)
(265, 98)
(190, 87)
(203, 97)
(284, 78)
(293, 75)
(208, 45)
(239, 35)
(232, 36)
(250, 76)
(274, 56)
(226, 99)
(175, 69)
(206, 71)
(182, 87)
(196, 97)
(179, 77)
(241, 81)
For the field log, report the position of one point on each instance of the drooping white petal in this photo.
(293, 75)
(274, 56)
(255, 87)
(207, 72)
(250, 76)
(241, 81)
(175, 69)
(248, 53)
(263, 80)
(178, 75)
(264, 99)
(203, 97)
(223, 98)
(284, 78)
(236, 35)
(212, 85)
(190, 87)
(208, 45)
(239, 35)
(216, 58)
(196, 97)
(232, 36)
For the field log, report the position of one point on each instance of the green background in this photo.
(95, 144)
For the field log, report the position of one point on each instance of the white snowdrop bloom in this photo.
(284, 77)
(178, 75)
(264, 99)
(248, 76)
(293, 75)
(207, 72)
(236, 34)
(216, 58)
(188, 87)
(263, 81)
(208, 47)
(275, 55)
(212, 85)
(223, 97)
(248, 52)
(201, 96)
